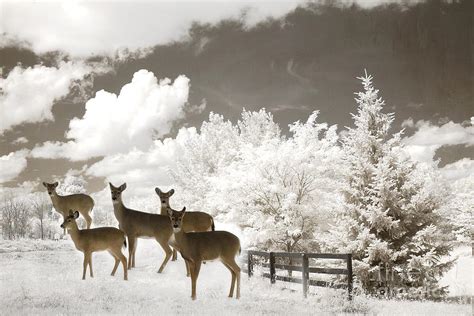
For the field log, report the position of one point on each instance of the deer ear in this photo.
(123, 187)
(183, 210)
(111, 185)
(55, 184)
(76, 214)
(158, 191)
(170, 192)
(45, 184)
(71, 212)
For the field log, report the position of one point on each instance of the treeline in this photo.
(28, 216)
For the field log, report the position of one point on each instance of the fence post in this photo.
(272, 267)
(305, 275)
(349, 276)
(249, 264)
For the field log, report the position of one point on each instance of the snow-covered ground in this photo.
(460, 278)
(45, 278)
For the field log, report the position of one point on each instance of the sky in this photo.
(94, 88)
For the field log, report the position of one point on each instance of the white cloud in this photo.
(12, 165)
(101, 27)
(428, 138)
(145, 168)
(408, 123)
(145, 108)
(458, 170)
(141, 170)
(20, 140)
(28, 95)
(21, 189)
(197, 108)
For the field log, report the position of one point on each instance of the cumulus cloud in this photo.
(143, 167)
(83, 28)
(12, 165)
(27, 95)
(142, 170)
(408, 123)
(144, 109)
(21, 189)
(460, 169)
(20, 140)
(197, 108)
(428, 138)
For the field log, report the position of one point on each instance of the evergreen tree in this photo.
(390, 221)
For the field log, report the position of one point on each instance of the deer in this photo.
(196, 247)
(82, 203)
(92, 240)
(195, 221)
(138, 224)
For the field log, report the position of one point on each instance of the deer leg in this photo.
(117, 261)
(168, 253)
(119, 256)
(236, 270)
(124, 263)
(134, 252)
(231, 292)
(195, 268)
(175, 255)
(64, 218)
(84, 265)
(90, 265)
(188, 274)
(131, 246)
(88, 219)
(188, 269)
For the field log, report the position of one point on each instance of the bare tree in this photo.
(40, 209)
(15, 218)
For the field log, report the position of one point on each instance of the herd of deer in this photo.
(190, 233)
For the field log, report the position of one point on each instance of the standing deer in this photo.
(96, 239)
(196, 247)
(63, 203)
(137, 224)
(195, 221)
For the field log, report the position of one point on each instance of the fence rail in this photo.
(303, 267)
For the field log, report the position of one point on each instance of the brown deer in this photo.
(137, 224)
(195, 221)
(96, 239)
(196, 247)
(82, 203)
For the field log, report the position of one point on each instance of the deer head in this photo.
(68, 221)
(51, 187)
(117, 192)
(164, 197)
(176, 218)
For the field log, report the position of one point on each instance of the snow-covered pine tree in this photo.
(390, 221)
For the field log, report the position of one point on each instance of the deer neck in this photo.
(181, 239)
(55, 199)
(164, 209)
(74, 232)
(119, 208)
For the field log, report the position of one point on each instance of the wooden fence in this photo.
(304, 268)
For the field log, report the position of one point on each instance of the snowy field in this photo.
(44, 277)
